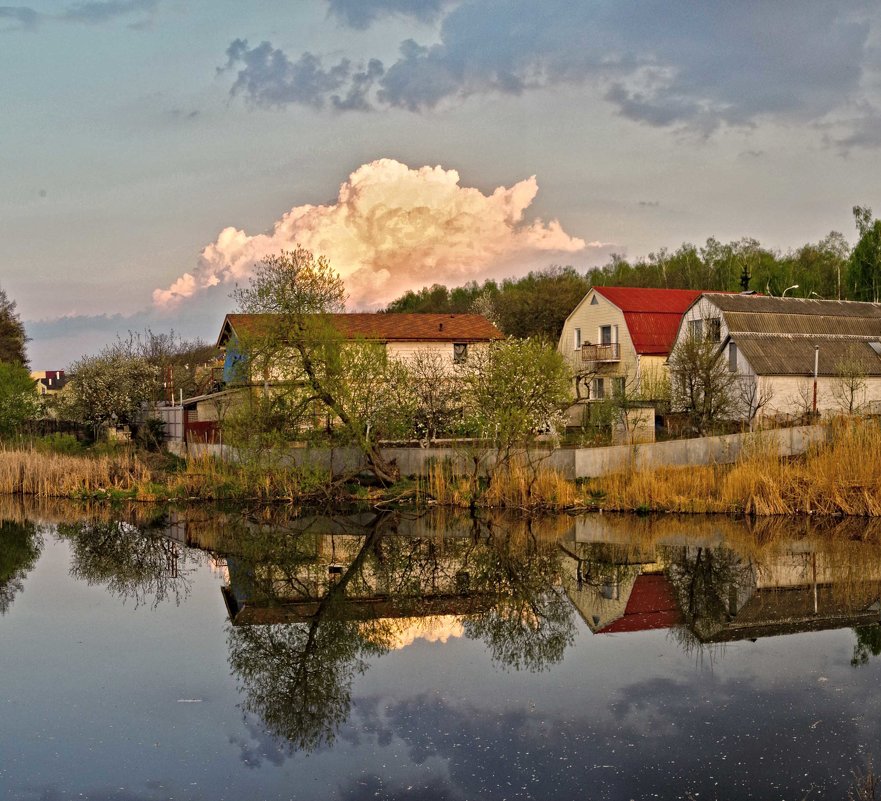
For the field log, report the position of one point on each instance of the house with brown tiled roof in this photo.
(449, 335)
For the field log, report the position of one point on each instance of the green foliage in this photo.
(437, 299)
(151, 434)
(303, 354)
(868, 644)
(533, 306)
(864, 268)
(110, 388)
(18, 399)
(538, 303)
(66, 444)
(516, 389)
(12, 333)
(20, 546)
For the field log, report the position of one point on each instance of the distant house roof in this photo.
(777, 336)
(380, 327)
(652, 315)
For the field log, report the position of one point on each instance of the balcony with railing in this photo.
(610, 352)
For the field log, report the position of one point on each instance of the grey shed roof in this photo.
(786, 355)
(777, 336)
(765, 304)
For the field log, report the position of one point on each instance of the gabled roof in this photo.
(652, 315)
(652, 605)
(381, 327)
(777, 336)
(781, 354)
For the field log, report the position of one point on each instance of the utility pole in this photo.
(816, 366)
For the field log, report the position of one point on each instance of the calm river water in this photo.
(218, 655)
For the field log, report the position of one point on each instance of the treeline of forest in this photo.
(538, 303)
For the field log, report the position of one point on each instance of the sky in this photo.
(154, 150)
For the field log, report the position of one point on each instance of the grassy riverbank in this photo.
(840, 477)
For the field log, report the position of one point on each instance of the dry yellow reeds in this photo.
(516, 484)
(51, 475)
(839, 477)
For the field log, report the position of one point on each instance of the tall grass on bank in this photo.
(839, 477)
(517, 484)
(126, 476)
(53, 475)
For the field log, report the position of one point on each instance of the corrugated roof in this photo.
(806, 324)
(794, 355)
(383, 327)
(652, 315)
(765, 304)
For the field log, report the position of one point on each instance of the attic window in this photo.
(876, 346)
(594, 301)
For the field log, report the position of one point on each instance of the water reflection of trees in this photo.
(297, 676)
(20, 547)
(132, 563)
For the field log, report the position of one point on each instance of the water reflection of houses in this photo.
(393, 566)
(622, 580)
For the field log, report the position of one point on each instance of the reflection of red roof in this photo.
(652, 315)
(651, 605)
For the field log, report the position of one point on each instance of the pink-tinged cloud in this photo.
(393, 228)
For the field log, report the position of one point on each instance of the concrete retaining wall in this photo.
(571, 462)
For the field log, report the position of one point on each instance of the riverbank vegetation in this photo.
(842, 476)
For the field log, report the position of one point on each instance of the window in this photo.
(714, 329)
(599, 389)
(618, 386)
(732, 357)
(605, 335)
(577, 339)
(594, 301)
(696, 328)
(460, 352)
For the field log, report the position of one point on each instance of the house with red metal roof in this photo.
(618, 339)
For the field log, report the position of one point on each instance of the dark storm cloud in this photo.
(658, 63)
(96, 12)
(20, 16)
(91, 13)
(361, 14)
(863, 131)
(268, 78)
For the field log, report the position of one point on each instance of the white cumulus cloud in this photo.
(390, 229)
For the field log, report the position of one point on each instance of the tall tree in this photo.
(12, 333)
(18, 399)
(864, 268)
(302, 350)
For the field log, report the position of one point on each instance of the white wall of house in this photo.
(583, 326)
(406, 350)
(790, 394)
(703, 311)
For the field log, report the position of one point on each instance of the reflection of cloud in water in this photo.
(710, 736)
(398, 634)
